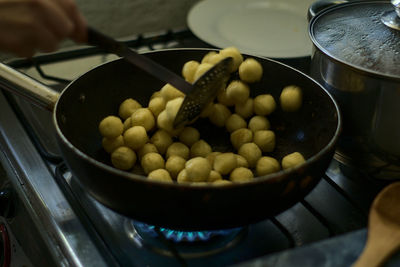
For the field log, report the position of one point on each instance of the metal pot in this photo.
(356, 57)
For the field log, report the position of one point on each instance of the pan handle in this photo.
(27, 87)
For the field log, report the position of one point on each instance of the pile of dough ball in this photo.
(143, 137)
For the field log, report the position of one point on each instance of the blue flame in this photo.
(184, 236)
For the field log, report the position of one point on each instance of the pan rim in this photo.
(259, 179)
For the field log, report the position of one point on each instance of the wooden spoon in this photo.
(383, 238)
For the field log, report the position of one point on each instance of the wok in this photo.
(313, 131)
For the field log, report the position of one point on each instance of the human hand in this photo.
(28, 26)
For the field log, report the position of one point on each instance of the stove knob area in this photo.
(7, 203)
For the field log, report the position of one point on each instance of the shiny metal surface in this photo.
(367, 91)
(63, 234)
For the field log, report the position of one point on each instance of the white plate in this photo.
(270, 28)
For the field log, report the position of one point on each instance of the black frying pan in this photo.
(313, 131)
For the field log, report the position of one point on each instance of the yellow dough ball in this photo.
(241, 175)
(264, 104)
(240, 137)
(128, 107)
(160, 175)
(234, 53)
(238, 92)
(219, 115)
(123, 158)
(135, 137)
(235, 122)
(200, 149)
(214, 59)
(207, 57)
(166, 123)
(182, 177)
(147, 148)
(224, 163)
(214, 176)
(241, 161)
(267, 165)
(203, 68)
(178, 149)
(222, 98)
(246, 109)
(172, 107)
(110, 145)
(292, 160)
(189, 69)
(198, 169)
(291, 98)
(258, 122)
(127, 124)
(211, 157)
(189, 136)
(111, 127)
(250, 70)
(251, 152)
(168, 92)
(162, 140)
(265, 140)
(175, 165)
(156, 105)
(152, 161)
(222, 182)
(143, 117)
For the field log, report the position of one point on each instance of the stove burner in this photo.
(188, 244)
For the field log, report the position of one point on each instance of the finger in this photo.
(79, 32)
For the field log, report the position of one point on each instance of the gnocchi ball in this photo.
(258, 123)
(250, 70)
(111, 127)
(143, 117)
(240, 137)
(264, 104)
(235, 122)
(123, 158)
(160, 175)
(219, 115)
(241, 161)
(223, 98)
(291, 98)
(155, 94)
(251, 152)
(238, 92)
(156, 105)
(203, 68)
(168, 92)
(241, 175)
(162, 140)
(127, 107)
(127, 124)
(147, 148)
(292, 160)
(178, 149)
(211, 157)
(189, 136)
(214, 59)
(167, 123)
(110, 145)
(152, 161)
(182, 177)
(174, 165)
(221, 182)
(173, 106)
(265, 140)
(207, 57)
(246, 109)
(234, 53)
(189, 69)
(198, 169)
(224, 163)
(135, 137)
(267, 165)
(214, 176)
(200, 149)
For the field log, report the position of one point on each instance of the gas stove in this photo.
(56, 223)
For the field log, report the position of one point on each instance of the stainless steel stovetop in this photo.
(72, 229)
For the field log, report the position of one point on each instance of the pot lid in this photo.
(353, 33)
